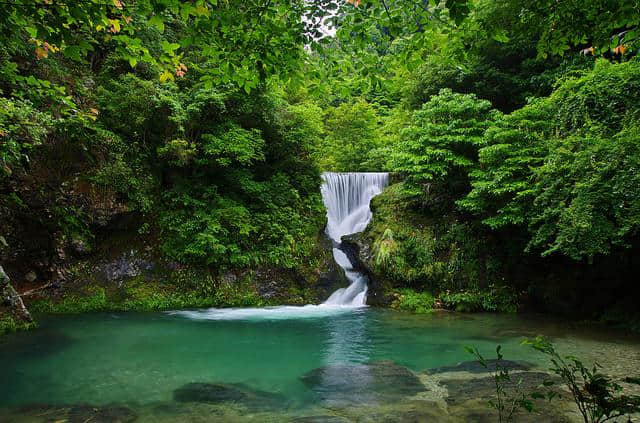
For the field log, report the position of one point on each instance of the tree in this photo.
(441, 145)
(351, 135)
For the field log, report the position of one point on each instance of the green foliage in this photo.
(413, 250)
(94, 299)
(231, 208)
(507, 402)
(10, 325)
(209, 29)
(22, 127)
(441, 144)
(596, 207)
(495, 298)
(574, 23)
(596, 395)
(564, 166)
(415, 302)
(184, 289)
(351, 135)
(385, 248)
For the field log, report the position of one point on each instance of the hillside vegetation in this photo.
(159, 154)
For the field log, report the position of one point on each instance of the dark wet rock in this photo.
(80, 246)
(269, 289)
(126, 266)
(461, 390)
(362, 383)
(208, 392)
(40, 409)
(219, 393)
(467, 399)
(30, 276)
(358, 249)
(476, 367)
(330, 276)
(229, 277)
(108, 414)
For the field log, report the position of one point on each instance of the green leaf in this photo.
(158, 22)
(166, 76)
(169, 48)
(33, 32)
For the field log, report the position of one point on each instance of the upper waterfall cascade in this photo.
(346, 197)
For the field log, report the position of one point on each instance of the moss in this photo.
(416, 302)
(411, 248)
(185, 289)
(8, 324)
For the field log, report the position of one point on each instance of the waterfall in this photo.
(346, 197)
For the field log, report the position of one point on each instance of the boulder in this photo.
(377, 382)
(476, 367)
(223, 393)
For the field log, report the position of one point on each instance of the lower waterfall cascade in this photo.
(346, 197)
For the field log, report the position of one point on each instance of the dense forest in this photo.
(163, 154)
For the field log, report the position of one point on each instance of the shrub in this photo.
(501, 299)
(416, 302)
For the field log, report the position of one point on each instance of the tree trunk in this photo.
(11, 297)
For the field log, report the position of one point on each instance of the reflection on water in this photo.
(347, 340)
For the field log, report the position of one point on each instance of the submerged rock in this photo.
(411, 411)
(108, 414)
(362, 383)
(476, 367)
(208, 392)
(461, 390)
(219, 393)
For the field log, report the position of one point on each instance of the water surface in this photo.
(142, 360)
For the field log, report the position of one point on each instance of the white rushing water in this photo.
(346, 197)
(309, 311)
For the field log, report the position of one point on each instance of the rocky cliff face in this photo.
(358, 247)
(115, 267)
